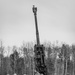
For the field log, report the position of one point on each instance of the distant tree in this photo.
(73, 51)
(13, 59)
(5, 66)
(1, 58)
(50, 66)
(49, 51)
(20, 66)
(1, 64)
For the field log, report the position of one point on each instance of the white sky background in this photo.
(56, 21)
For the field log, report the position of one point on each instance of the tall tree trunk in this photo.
(55, 66)
(73, 66)
(33, 66)
(66, 68)
(63, 65)
(63, 68)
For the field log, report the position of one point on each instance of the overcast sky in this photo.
(56, 21)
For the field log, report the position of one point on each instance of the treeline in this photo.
(59, 60)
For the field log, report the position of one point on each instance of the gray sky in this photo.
(56, 21)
